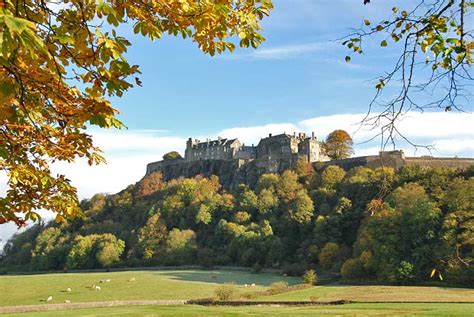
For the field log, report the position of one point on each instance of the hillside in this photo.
(363, 224)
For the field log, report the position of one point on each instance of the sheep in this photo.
(246, 285)
(50, 298)
(132, 279)
(68, 290)
(67, 301)
(253, 284)
(107, 280)
(102, 281)
(97, 288)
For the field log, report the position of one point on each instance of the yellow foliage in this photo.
(47, 51)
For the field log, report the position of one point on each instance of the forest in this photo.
(411, 226)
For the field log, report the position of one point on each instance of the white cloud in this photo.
(282, 52)
(128, 152)
(285, 51)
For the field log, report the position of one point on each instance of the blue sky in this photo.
(298, 73)
(296, 81)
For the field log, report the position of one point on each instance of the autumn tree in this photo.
(338, 145)
(61, 62)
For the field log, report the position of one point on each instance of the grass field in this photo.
(377, 293)
(193, 284)
(341, 310)
(149, 285)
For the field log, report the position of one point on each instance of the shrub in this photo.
(328, 255)
(278, 287)
(353, 269)
(310, 277)
(225, 291)
(294, 269)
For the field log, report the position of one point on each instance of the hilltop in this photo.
(363, 224)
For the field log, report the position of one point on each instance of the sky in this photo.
(297, 80)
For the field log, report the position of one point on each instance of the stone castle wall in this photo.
(396, 159)
(237, 171)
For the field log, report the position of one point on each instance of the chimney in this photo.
(312, 135)
(269, 135)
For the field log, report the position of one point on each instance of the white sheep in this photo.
(50, 298)
(102, 281)
(67, 301)
(107, 280)
(246, 285)
(132, 279)
(253, 284)
(97, 288)
(68, 290)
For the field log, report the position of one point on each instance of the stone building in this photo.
(290, 146)
(283, 147)
(220, 149)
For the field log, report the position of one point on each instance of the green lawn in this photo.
(191, 284)
(149, 285)
(341, 310)
(378, 293)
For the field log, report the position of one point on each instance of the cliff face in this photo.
(231, 173)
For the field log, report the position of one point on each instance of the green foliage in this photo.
(310, 277)
(173, 155)
(329, 255)
(152, 236)
(97, 250)
(225, 291)
(181, 247)
(338, 223)
(353, 269)
(331, 176)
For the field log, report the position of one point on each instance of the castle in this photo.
(288, 147)
(236, 163)
(273, 154)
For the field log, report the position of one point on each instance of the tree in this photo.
(338, 145)
(152, 236)
(432, 70)
(60, 64)
(310, 277)
(173, 155)
(329, 255)
(331, 176)
(95, 250)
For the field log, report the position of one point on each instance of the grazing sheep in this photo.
(246, 285)
(50, 298)
(132, 279)
(67, 301)
(102, 281)
(68, 290)
(107, 280)
(97, 288)
(253, 284)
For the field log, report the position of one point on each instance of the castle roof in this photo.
(212, 143)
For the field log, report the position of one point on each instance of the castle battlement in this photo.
(236, 163)
(274, 148)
